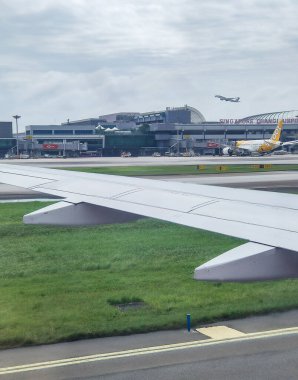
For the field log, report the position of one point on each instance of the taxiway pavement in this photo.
(148, 161)
(168, 355)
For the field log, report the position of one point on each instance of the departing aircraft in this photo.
(235, 100)
(267, 220)
(248, 147)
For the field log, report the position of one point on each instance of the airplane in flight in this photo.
(266, 220)
(248, 147)
(235, 100)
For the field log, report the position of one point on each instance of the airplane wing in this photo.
(267, 220)
(294, 142)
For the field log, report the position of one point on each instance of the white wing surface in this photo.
(269, 221)
(293, 142)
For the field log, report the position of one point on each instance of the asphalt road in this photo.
(254, 354)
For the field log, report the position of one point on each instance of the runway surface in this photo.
(286, 182)
(147, 161)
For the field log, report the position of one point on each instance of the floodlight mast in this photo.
(16, 117)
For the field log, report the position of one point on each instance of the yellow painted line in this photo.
(144, 351)
(220, 332)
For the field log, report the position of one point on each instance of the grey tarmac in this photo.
(148, 161)
(168, 355)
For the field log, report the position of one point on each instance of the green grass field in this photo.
(184, 169)
(65, 283)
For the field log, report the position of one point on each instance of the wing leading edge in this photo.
(267, 220)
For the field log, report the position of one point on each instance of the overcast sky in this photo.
(84, 58)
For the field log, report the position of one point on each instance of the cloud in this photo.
(78, 59)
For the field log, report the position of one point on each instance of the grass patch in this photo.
(185, 169)
(61, 283)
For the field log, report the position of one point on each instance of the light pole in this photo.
(17, 117)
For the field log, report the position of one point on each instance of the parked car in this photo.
(125, 154)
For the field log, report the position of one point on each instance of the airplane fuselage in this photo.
(234, 100)
(258, 146)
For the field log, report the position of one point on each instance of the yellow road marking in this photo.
(144, 351)
(220, 332)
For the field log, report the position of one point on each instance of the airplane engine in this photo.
(227, 151)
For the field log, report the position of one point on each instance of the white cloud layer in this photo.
(81, 58)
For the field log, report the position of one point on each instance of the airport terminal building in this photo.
(206, 137)
(7, 142)
(178, 130)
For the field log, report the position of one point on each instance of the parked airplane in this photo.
(267, 220)
(248, 147)
(235, 100)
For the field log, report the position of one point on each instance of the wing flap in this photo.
(26, 182)
(255, 214)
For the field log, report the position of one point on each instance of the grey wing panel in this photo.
(262, 217)
(27, 177)
(267, 230)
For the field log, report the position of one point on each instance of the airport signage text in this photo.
(265, 121)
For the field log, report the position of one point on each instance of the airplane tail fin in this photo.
(277, 132)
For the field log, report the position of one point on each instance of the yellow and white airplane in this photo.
(259, 146)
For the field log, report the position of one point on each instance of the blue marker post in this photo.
(188, 322)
